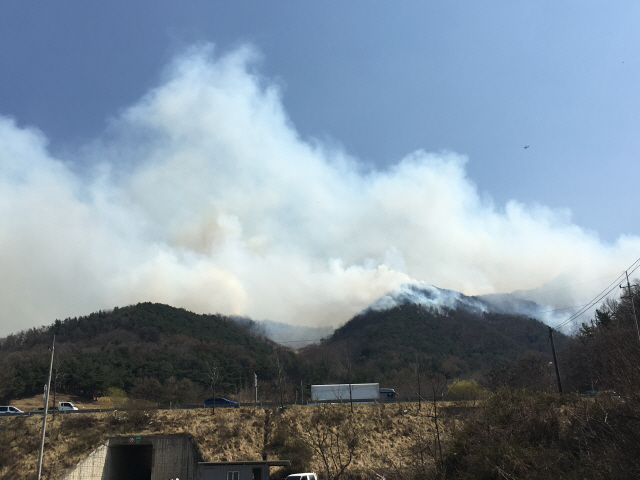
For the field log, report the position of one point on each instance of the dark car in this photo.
(221, 402)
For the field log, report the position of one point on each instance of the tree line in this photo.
(166, 355)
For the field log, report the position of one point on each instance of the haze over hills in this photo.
(291, 336)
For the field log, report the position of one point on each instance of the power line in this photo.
(598, 298)
(588, 306)
(555, 310)
(633, 304)
(544, 292)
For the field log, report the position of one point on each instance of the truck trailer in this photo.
(345, 392)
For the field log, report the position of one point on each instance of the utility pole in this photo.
(633, 306)
(302, 391)
(555, 359)
(46, 407)
(419, 390)
(255, 384)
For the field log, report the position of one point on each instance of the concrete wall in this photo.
(175, 456)
(91, 467)
(168, 456)
(245, 472)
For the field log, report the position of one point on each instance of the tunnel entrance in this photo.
(142, 457)
(129, 462)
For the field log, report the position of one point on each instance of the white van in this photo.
(66, 407)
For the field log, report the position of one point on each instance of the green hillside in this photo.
(156, 351)
(387, 344)
(166, 354)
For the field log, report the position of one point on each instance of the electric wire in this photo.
(598, 298)
(544, 292)
(588, 306)
(556, 310)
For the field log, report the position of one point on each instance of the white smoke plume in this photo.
(203, 195)
(440, 300)
(429, 297)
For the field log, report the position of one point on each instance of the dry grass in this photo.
(386, 434)
(37, 401)
(232, 434)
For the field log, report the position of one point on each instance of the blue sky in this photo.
(381, 78)
(366, 84)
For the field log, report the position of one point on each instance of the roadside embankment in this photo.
(371, 438)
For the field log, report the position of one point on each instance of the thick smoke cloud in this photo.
(203, 195)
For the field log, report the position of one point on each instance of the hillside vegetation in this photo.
(394, 343)
(168, 355)
(151, 351)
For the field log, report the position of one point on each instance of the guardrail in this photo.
(196, 406)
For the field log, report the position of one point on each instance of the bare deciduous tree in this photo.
(419, 366)
(281, 378)
(213, 375)
(332, 434)
(348, 367)
(437, 385)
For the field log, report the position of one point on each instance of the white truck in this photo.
(345, 392)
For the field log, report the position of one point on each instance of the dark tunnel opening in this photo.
(129, 462)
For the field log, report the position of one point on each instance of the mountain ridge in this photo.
(157, 352)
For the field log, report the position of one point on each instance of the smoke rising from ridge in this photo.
(203, 195)
(430, 297)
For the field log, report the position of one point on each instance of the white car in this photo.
(302, 476)
(9, 410)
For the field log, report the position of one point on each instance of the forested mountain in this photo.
(459, 342)
(167, 354)
(151, 350)
(479, 341)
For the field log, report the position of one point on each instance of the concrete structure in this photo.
(154, 457)
(239, 470)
